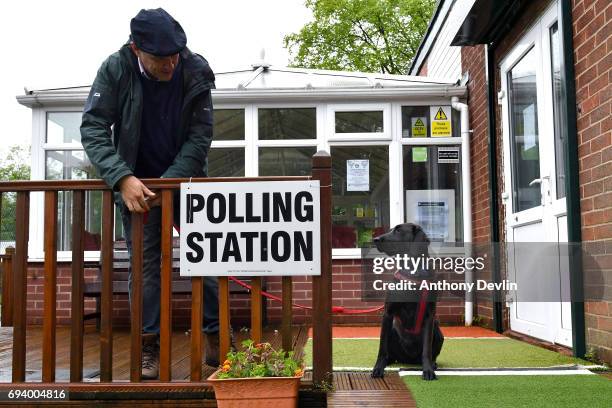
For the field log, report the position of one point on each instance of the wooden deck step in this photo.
(358, 389)
(370, 398)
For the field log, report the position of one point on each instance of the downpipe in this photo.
(466, 189)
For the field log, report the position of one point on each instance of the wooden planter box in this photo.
(264, 392)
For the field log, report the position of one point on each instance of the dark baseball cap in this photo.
(156, 32)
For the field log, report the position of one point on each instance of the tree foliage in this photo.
(360, 35)
(14, 166)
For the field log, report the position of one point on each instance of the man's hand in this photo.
(136, 195)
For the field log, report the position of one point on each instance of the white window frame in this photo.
(537, 38)
(38, 171)
(248, 131)
(325, 138)
(385, 107)
(257, 142)
(415, 141)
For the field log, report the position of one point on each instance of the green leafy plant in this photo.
(260, 360)
(591, 355)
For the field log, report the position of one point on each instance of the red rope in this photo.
(335, 309)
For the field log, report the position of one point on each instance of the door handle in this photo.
(538, 180)
(535, 181)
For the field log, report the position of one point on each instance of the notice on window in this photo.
(433, 218)
(419, 154)
(448, 155)
(440, 119)
(357, 175)
(418, 127)
(434, 211)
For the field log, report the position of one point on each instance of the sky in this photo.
(61, 43)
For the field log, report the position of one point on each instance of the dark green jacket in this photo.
(115, 100)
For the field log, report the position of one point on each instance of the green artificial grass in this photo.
(511, 391)
(455, 353)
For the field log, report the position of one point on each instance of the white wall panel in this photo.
(444, 61)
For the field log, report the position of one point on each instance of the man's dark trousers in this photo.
(151, 272)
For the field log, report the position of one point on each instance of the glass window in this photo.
(287, 123)
(524, 138)
(415, 122)
(432, 190)
(360, 201)
(286, 161)
(228, 124)
(63, 127)
(359, 122)
(226, 162)
(74, 165)
(558, 111)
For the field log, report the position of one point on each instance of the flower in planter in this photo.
(260, 360)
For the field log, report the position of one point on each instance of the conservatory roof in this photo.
(262, 81)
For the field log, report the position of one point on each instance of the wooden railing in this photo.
(322, 366)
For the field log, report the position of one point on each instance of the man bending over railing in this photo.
(156, 95)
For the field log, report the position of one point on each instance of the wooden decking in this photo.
(350, 389)
(121, 356)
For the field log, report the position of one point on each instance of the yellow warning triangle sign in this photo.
(419, 123)
(441, 115)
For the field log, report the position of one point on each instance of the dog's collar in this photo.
(401, 274)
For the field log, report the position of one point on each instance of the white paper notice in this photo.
(433, 218)
(357, 175)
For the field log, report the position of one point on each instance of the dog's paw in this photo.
(429, 375)
(378, 372)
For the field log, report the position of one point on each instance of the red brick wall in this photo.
(473, 63)
(35, 284)
(346, 292)
(592, 28)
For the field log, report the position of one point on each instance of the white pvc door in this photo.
(534, 194)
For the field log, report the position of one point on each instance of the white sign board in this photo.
(357, 175)
(264, 228)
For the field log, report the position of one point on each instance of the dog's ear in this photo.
(420, 241)
(418, 234)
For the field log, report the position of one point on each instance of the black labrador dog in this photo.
(408, 335)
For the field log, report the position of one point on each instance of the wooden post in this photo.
(20, 266)
(256, 309)
(78, 246)
(106, 297)
(224, 318)
(50, 222)
(286, 326)
(136, 298)
(197, 290)
(7, 288)
(165, 319)
(322, 285)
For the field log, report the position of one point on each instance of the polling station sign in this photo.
(263, 228)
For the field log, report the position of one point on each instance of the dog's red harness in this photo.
(420, 311)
